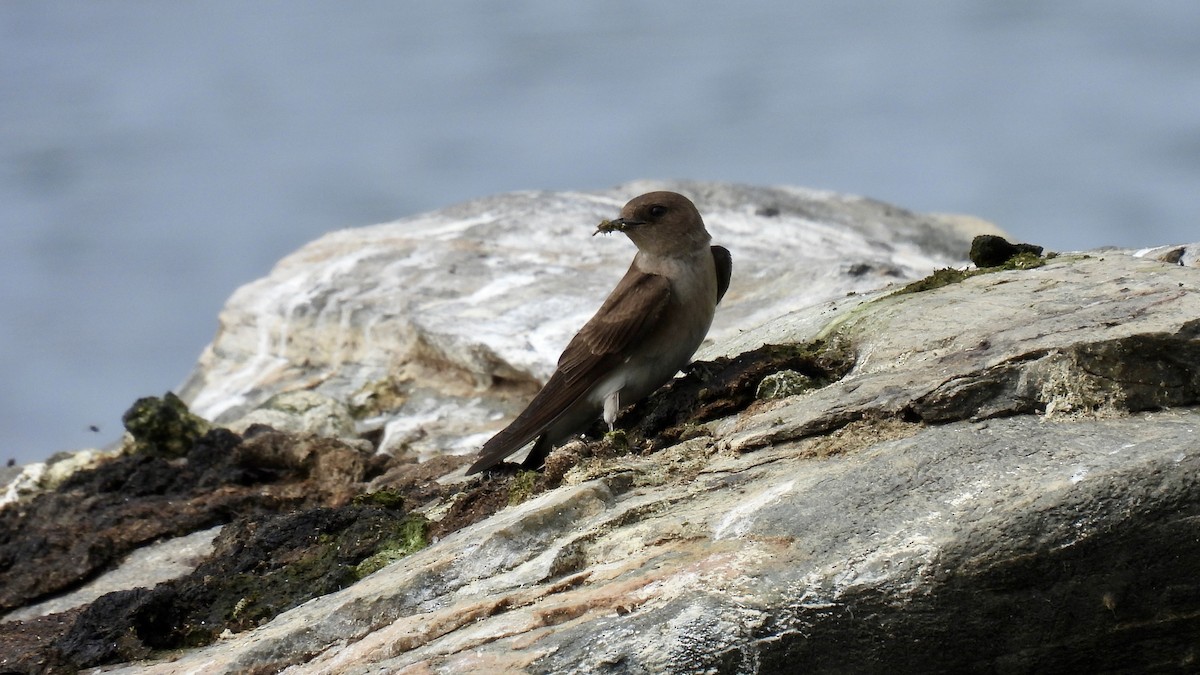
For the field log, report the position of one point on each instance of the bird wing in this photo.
(724, 263)
(602, 344)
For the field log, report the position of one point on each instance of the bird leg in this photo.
(612, 405)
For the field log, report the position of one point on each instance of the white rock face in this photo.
(412, 323)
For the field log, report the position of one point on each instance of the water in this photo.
(155, 156)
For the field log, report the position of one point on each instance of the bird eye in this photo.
(657, 211)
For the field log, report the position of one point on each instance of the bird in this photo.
(642, 335)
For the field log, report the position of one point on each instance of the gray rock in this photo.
(1007, 480)
(1082, 334)
(301, 412)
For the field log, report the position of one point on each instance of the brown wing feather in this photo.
(724, 264)
(633, 306)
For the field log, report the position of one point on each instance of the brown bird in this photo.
(641, 336)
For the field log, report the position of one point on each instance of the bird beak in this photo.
(618, 225)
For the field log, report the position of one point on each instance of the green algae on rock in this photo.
(522, 486)
(163, 426)
(950, 275)
(990, 254)
(259, 568)
(386, 498)
(411, 535)
(939, 278)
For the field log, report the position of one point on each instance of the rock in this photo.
(38, 477)
(995, 471)
(301, 412)
(783, 383)
(163, 426)
(1184, 256)
(1080, 334)
(989, 250)
(256, 571)
(992, 489)
(439, 327)
(57, 540)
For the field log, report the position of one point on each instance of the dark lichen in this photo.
(163, 426)
(990, 254)
(712, 389)
(949, 275)
(386, 498)
(477, 500)
(258, 569)
(989, 250)
(292, 532)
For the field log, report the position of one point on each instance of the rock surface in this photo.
(982, 472)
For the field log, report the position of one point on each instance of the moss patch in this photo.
(294, 530)
(258, 569)
(939, 278)
(990, 254)
(412, 535)
(1021, 261)
(949, 275)
(386, 498)
(163, 426)
(989, 250)
(521, 487)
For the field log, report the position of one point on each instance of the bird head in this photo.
(660, 223)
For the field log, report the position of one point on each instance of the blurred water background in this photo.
(156, 155)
